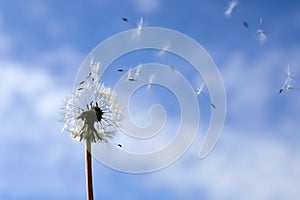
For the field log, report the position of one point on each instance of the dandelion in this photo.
(92, 114)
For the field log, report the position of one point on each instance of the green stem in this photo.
(89, 175)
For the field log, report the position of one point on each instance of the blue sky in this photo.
(43, 43)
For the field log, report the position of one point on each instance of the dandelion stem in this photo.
(89, 178)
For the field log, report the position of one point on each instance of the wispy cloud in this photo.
(33, 151)
(241, 167)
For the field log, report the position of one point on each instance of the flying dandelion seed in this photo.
(129, 75)
(231, 6)
(139, 26)
(289, 78)
(200, 92)
(260, 33)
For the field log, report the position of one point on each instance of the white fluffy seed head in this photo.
(92, 112)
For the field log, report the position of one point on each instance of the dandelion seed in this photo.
(260, 33)
(139, 26)
(231, 6)
(200, 92)
(129, 75)
(289, 78)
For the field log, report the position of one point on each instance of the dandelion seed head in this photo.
(92, 113)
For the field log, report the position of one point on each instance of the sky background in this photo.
(42, 45)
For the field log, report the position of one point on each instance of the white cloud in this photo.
(241, 167)
(33, 151)
(34, 86)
